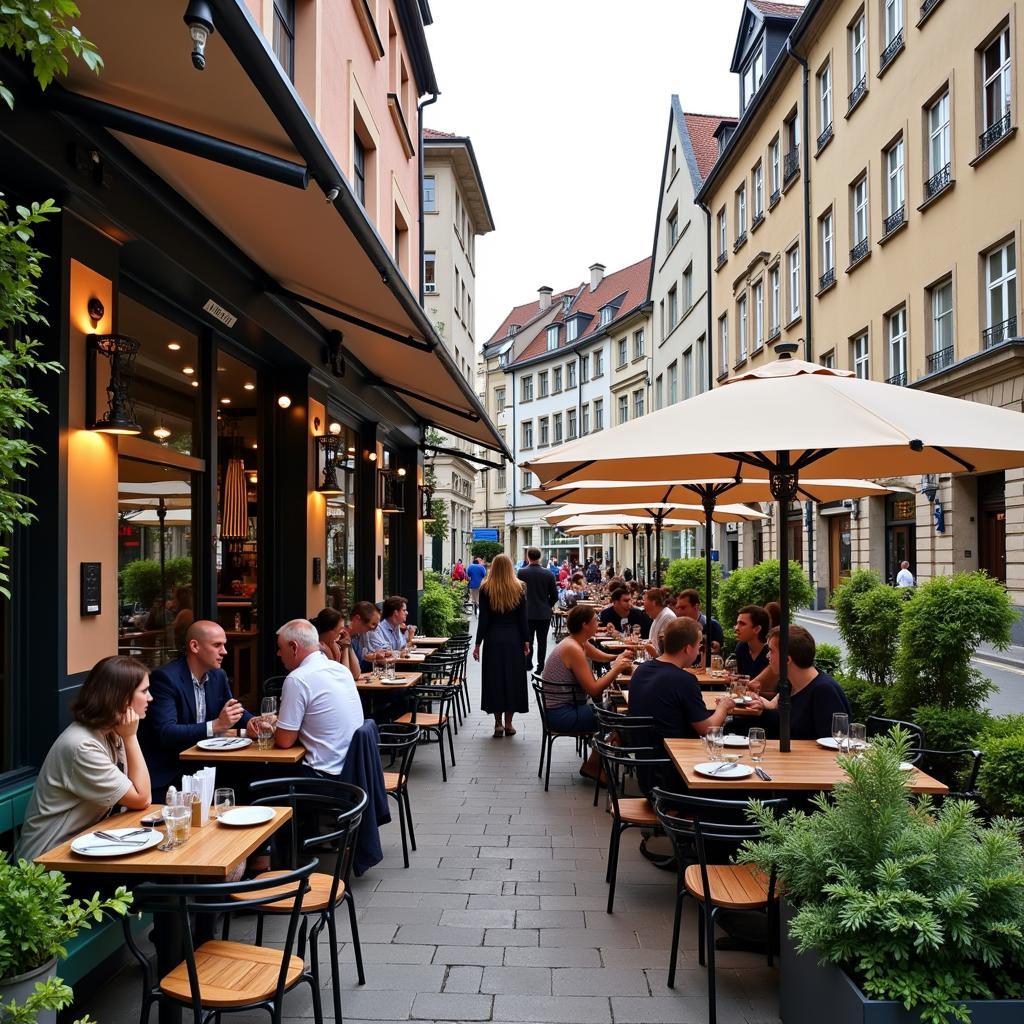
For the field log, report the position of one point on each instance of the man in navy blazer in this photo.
(191, 702)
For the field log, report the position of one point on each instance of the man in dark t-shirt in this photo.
(665, 691)
(687, 606)
(752, 625)
(621, 614)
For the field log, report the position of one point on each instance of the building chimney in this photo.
(596, 276)
(544, 296)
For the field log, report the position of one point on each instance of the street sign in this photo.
(485, 534)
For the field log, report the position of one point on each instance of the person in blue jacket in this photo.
(475, 573)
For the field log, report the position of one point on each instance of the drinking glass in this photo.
(389, 665)
(757, 743)
(716, 742)
(740, 685)
(223, 800)
(841, 731)
(264, 734)
(731, 666)
(178, 825)
(377, 665)
(717, 665)
(410, 633)
(858, 738)
(268, 706)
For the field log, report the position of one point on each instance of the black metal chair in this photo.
(627, 812)
(632, 730)
(397, 747)
(691, 823)
(958, 769)
(549, 735)
(879, 726)
(272, 686)
(221, 975)
(342, 805)
(433, 723)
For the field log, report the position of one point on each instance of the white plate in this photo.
(735, 741)
(827, 742)
(92, 845)
(224, 743)
(729, 771)
(906, 766)
(243, 817)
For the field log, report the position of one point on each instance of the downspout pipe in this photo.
(707, 296)
(432, 98)
(808, 277)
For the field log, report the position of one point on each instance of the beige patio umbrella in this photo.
(783, 418)
(629, 529)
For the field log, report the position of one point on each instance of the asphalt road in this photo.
(1008, 699)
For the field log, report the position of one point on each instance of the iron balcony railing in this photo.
(899, 379)
(991, 135)
(998, 333)
(825, 135)
(894, 220)
(722, 257)
(940, 360)
(740, 239)
(858, 91)
(774, 332)
(791, 164)
(891, 50)
(859, 251)
(758, 217)
(827, 279)
(774, 197)
(927, 6)
(937, 182)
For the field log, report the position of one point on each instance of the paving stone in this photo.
(511, 937)
(547, 956)
(603, 937)
(481, 956)
(553, 1009)
(479, 918)
(549, 919)
(503, 902)
(599, 981)
(433, 936)
(525, 981)
(447, 1006)
(463, 979)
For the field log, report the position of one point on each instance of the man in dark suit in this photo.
(541, 597)
(191, 701)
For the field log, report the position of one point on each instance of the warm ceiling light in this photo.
(335, 428)
(162, 432)
(174, 346)
(253, 478)
(225, 401)
(351, 451)
(284, 401)
(255, 445)
(400, 471)
(188, 370)
(195, 383)
(249, 387)
(372, 456)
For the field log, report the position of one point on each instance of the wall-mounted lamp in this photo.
(930, 486)
(95, 310)
(285, 401)
(390, 491)
(371, 456)
(120, 415)
(199, 19)
(426, 495)
(330, 460)
(334, 428)
(855, 509)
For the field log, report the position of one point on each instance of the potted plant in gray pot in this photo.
(37, 919)
(895, 911)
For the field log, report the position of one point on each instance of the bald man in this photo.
(192, 701)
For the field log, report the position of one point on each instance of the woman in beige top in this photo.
(95, 764)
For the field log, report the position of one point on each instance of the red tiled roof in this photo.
(523, 315)
(782, 9)
(701, 129)
(628, 285)
(433, 133)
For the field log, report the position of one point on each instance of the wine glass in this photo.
(858, 738)
(841, 731)
(268, 706)
(758, 743)
(223, 800)
(731, 666)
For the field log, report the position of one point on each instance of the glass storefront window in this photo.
(341, 540)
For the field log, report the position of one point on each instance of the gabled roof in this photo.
(786, 10)
(702, 131)
(755, 13)
(524, 315)
(458, 151)
(435, 133)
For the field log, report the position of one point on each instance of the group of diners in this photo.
(130, 726)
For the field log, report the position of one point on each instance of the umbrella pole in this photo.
(161, 514)
(657, 551)
(634, 529)
(647, 552)
(783, 482)
(708, 501)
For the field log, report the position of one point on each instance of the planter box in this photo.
(810, 993)
(21, 987)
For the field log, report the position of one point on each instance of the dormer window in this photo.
(552, 337)
(753, 76)
(572, 329)
(512, 329)
(606, 315)
(566, 304)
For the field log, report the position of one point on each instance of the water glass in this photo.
(757, 743)
(717, 666)
(841, 731)
(223, 800)
(858, 738)
(264, 734)
(268, 706)
(740, 685)
(389, 665)
(716, 742)
(731, 666)
(178, 825)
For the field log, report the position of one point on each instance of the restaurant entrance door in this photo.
(840, 551)
(992, 525)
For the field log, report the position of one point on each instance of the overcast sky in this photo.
(567, 104)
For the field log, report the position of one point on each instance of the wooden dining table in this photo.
(429, 641)
(403, 680)
(807, 767)
(246, 755)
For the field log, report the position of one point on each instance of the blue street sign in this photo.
(482, 534)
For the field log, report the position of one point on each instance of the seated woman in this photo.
(95, 764)
(331, 628)
(568, 680)
(816, 696)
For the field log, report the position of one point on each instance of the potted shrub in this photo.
(37, 919)
(895, 911)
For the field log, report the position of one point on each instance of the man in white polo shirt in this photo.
(320, 706)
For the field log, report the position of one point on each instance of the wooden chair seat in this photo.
(735, 886)
(318, 897)
(392, 780)
(423, 719)
(232, 974)
(637, 811)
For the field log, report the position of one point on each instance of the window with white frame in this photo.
(672, 225)
(598, 414)
(556, 380)
(859, 222)
(688, 287)
(572, 328)
(862, 356)
(527, 480)
(543, 430)
(892, 20)
(1000, 294)
(570, 375)
(757, 299)
(638, 344)
(826, 236)
(499, 399)
(599, 363)
(938, 136)
(556, 424)
(673, 308)
(752, 77)
(585, 420)
(526, 388)
(606, 316)
(858, 54)
(942, 318)
(623, 408)
(774, 298)
(542, 384)
(825, 98)
(996, 83)
(828, 360)
(757, 187)
(793, 272)
(775, 165)
(527, 434)
(638, 403)
(623, 350)
(429, 194)
(659, 393)
(584, 369)
(499, 478)
(702, 344)
(741, 212)
(896, 334)
(570, 424)
(552, 337)
(741, 328)
(895, 194)
(688, 373)
(673, 383)
(723, 343)
(723, 243)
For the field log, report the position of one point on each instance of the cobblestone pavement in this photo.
(501, 915)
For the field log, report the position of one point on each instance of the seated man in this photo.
(621, 615)
(751, 654)
(388, 633)
(192, 701)
(687, 606)
(816, 696)
(361, 624)
(320, 706)
(655, 606)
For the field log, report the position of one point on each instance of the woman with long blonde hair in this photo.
(503, 632)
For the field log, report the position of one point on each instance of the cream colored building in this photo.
(455, 213)
(910, 187)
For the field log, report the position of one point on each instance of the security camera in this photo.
(199, 19)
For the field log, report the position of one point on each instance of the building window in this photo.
(585, 370)
(723, 343)
(659, 393)
(623, 350)
(828, 360)
(638, 403)
(793, 269)
(359, 168)
(570, 418)
(791, 162)
(284, 36)
(1000, 294)
(527, 480)
(526, 388)
(623, 408)
(543, 429)
(552, 337)
(599, 363)
(941, 354)
(606, 315)
(859, 221)
(673, 164)
(556, 384)
(827, 240)
(429, 194)
(741, 328)
(557, 424)
(938, 142)
(858, 59)
(892, 21)
(672, 227)
(499, 479)
(430, 272)
(673, 383)
(741, 213)
(598, 414)
(894, 187)
(572, 328)
(757, 186)
(996, 89)
(542, 384)
(701, 371)
(774, 299)
(527, 434)
(861, 357)
(757, 294)
(499, 399)
(896, 332)
(752, 78)
(688, 287)
(688, 373)
(638, 344)
(585, 421)
(722, 236)
(774, 168)
(824, 104)
(673, 308)
(570, 375)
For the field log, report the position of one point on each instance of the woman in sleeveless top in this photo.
(568, 678)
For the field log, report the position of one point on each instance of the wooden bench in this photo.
(91, 947)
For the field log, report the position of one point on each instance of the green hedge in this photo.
(439, 606)
(758, 585)
(690, 574)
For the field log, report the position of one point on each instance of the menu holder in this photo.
(199, 789)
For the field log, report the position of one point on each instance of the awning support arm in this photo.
(377, 382)
(455, 453)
